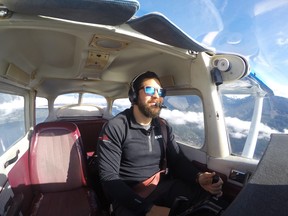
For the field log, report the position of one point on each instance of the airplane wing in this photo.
(160, 28)
(100, 12)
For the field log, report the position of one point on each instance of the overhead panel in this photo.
(97, 60)
(101, 42)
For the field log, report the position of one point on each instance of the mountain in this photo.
(274, 118)
(274, 113)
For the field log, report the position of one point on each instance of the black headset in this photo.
(132, 94)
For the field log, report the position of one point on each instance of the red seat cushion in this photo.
(57, 166)
(74, 202)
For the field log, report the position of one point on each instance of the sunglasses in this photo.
(149, 90)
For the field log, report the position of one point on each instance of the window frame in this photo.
(6, 88)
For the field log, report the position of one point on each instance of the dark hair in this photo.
(136, 84)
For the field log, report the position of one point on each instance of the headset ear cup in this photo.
(132, 96)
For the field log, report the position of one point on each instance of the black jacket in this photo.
(129, 154)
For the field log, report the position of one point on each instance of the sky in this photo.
(256, 29)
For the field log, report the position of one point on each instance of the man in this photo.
(134, 155)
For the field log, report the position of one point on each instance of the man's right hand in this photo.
(206, 182)
(158, 211)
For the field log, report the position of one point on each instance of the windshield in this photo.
(256, 29)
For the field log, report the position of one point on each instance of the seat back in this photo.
(56, 159)
(90, 130)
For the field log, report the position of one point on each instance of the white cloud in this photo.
(238, 135)
(177, 117)
(281, 41)
(209, 38)
(9, 107)
(239, 128)
(237, 96)
(268, 5)
(280, 90)
(272, 76)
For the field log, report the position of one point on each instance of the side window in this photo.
(41, 109)
(12, 118)
(120, 105)
(242, 126)
(185, 115)
(238, 121)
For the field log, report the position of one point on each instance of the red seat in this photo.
(58, 171)
(90, 130)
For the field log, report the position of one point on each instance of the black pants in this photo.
(166, 193)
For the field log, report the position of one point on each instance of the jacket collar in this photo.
(132, 121)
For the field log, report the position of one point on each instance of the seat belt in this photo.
(164, 132)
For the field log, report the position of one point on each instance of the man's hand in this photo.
(158, 211)
(205, 181)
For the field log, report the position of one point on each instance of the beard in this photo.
(148, 111)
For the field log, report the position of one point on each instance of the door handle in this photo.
(13, 160)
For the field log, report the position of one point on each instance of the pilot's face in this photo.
(148, 98)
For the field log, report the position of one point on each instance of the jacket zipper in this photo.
(149, 143)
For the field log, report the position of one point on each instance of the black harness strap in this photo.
(165, 139)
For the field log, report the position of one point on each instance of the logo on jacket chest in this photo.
(158, 136)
